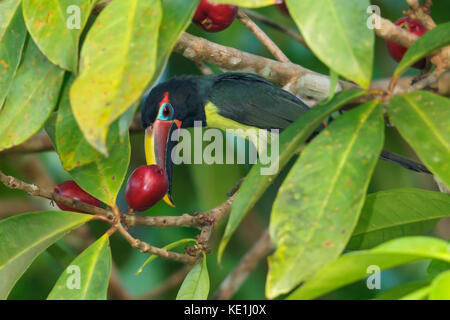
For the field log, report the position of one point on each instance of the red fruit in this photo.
(414, 26)
(71, 189)
(214, 17)
(282, 6)
(145, 187)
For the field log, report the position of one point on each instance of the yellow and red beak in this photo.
(158, 149)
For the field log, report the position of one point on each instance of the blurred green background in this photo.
(201, 187)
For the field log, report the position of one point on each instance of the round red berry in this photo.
(145, 187)
(214, 17)
(397, 51)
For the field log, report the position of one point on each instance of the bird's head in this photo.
(169, 106)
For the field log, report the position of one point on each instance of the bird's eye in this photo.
(166, 112)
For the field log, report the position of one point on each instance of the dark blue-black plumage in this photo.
(245, 98)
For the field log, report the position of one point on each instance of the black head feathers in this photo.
(185, 95)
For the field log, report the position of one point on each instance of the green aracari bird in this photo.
(223, 101)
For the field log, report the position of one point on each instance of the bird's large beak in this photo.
(158, 149)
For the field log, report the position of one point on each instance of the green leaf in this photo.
(117, 62)
(25, 236)
(73, 149)
(423, 119)
(414, 289)
(104, 177)
(247, 3)
(31, 98)
(291, 139)
(12, 41)
(196, 284)
(334, 81)
(419, 294)
(56, 27)
(61, 253)
(396, 213)
(168, 247)
(93, 266)
(337, 33)
(177, 16)
(318, 204)
(353, 266)
(402, 290)
(432, 40)
(125, 120)
(8, 9)
(436, 267)
(50, 127)
(440, 287)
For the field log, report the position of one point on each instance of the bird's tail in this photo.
(398, 159)
(385, 155)
(403, 161)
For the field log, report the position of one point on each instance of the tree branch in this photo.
(248, 263)
(34, 190)
(185, 220)
(115, 288)
(40, 142)
(306, 82)
(170, 283)
(301, 81)
(205, 221)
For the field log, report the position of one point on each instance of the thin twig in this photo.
(146, 247)
(262, 37)
(421, 12)
(263, 19)
(204, 69)
(40, 142)
(218, 213)
(171, 282)
(389, 31)
(248, 263)
(116, 289)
